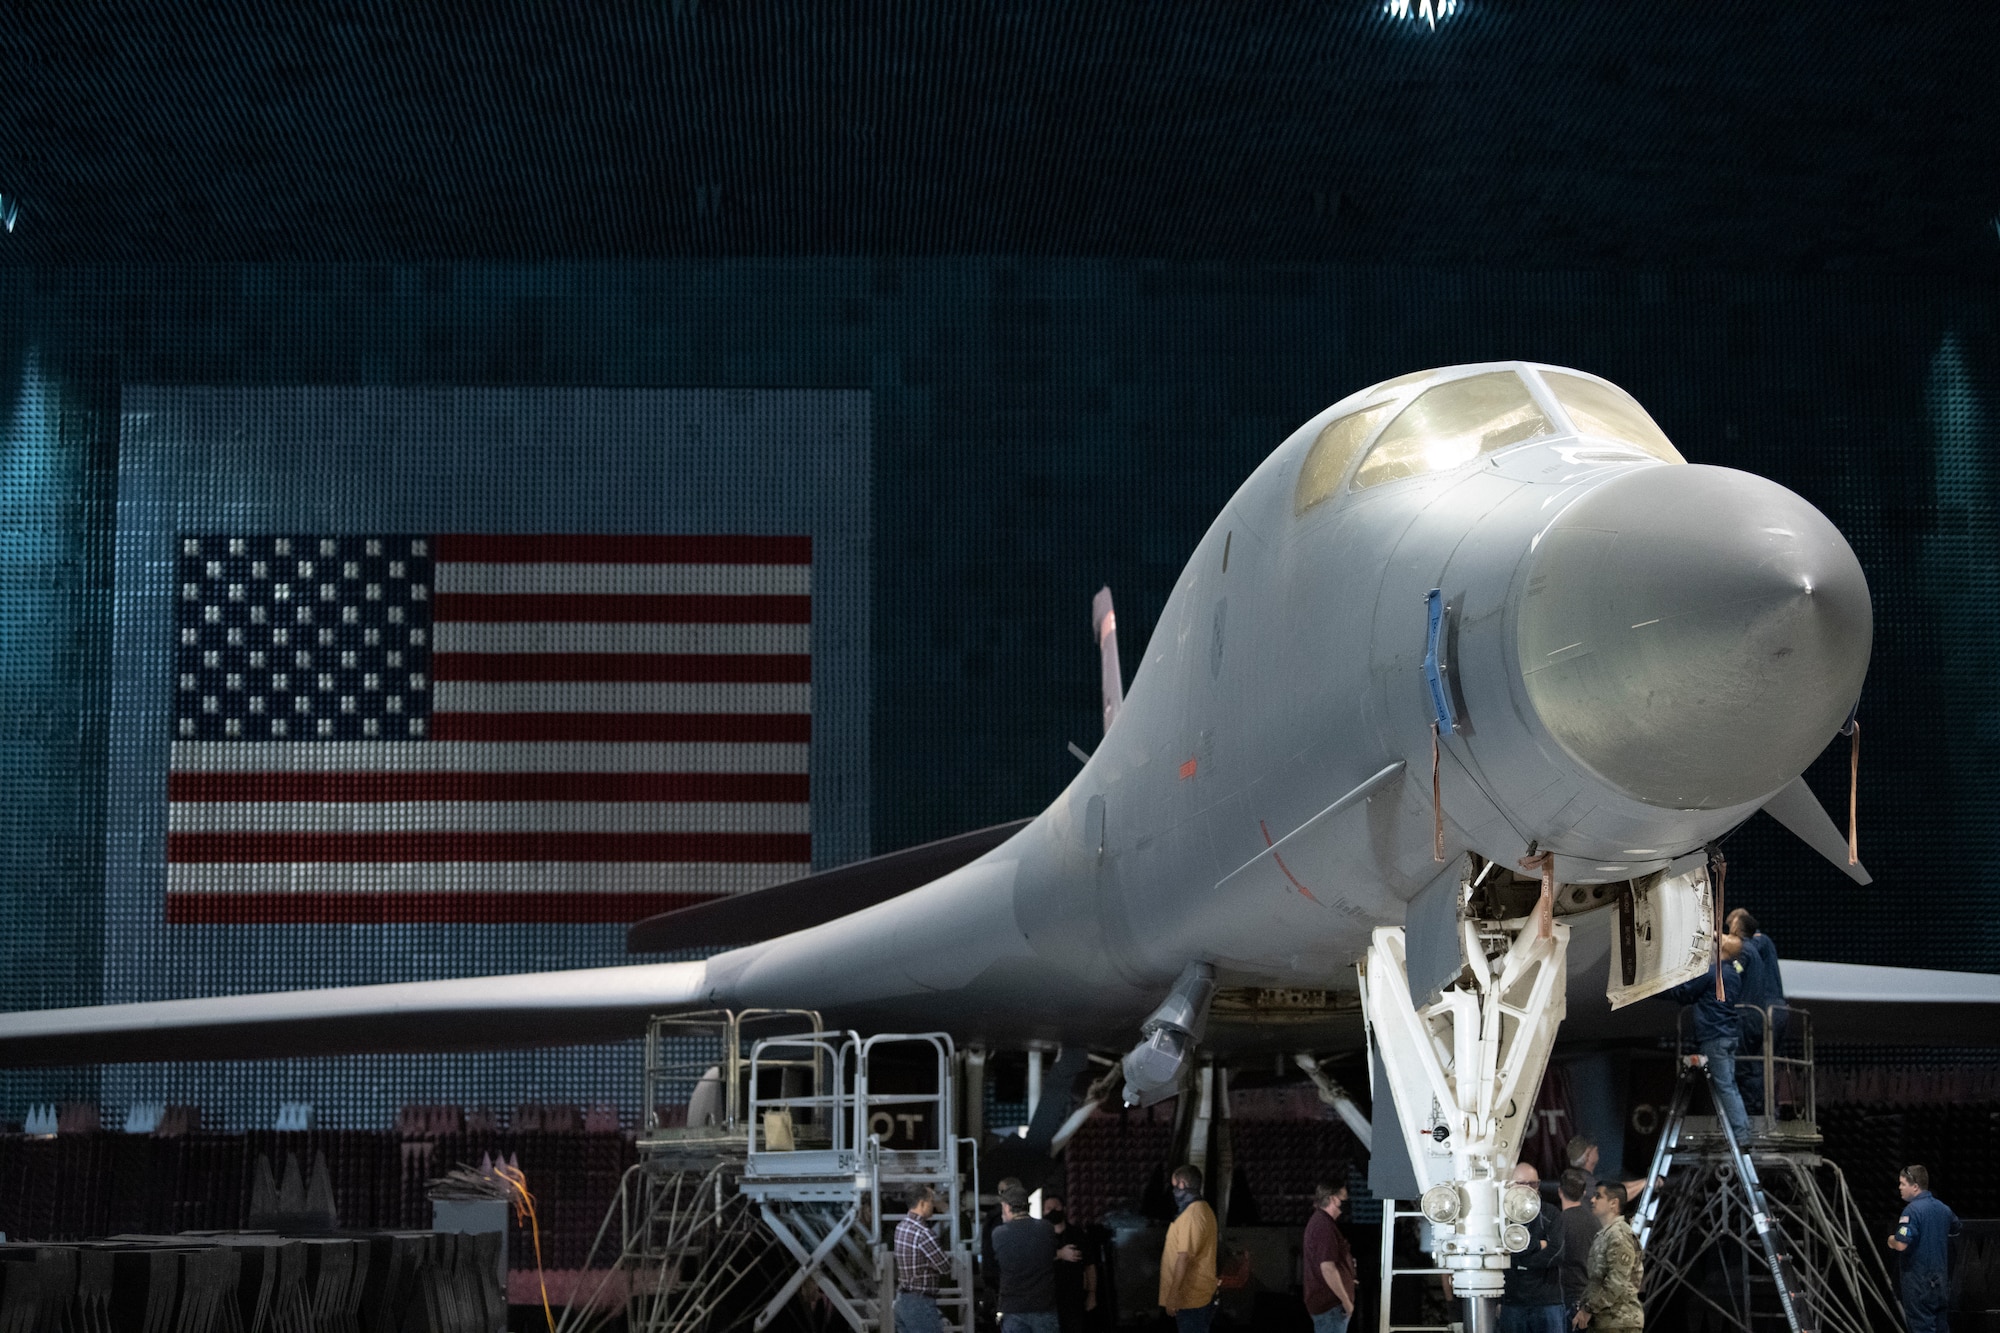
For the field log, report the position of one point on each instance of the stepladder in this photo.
(1793, 1301)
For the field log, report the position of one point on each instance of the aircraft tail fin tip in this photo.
(1111, 675)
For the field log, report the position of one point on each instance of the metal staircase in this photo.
(776, 1159)
(834, 1207)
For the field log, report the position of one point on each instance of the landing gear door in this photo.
(1664, 933)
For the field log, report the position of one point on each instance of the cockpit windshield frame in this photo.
(1334, 464)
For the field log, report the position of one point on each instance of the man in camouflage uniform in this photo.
(1611, 1300)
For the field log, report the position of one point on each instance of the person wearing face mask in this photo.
(1329, 1262)
(1076, 1278)
(1187, 1265)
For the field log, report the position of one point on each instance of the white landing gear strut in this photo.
(1463, 1072)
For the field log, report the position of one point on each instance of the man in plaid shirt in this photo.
(920, 1264)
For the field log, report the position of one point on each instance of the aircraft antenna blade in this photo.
(1800, 811)
(1104, 625)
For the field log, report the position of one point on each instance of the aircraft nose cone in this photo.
(1693, 635)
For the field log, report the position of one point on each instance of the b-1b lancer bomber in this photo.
(1474, 653)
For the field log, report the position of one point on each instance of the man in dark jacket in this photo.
(1763, 992)
(1719, 1032)
(1532, 1301)
(1024, 1257)
(1076, 1279)
(1578, 1225)
(1923, 1237)
(989, 1267)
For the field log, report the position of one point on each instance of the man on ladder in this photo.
(1718, 1030)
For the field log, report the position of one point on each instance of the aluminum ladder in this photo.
(1792, 1300)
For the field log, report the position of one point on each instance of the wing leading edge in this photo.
(461, 1014)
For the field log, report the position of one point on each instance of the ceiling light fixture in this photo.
(1429, 11)
(10, 209)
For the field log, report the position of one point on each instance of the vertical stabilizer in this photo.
(1104, 625)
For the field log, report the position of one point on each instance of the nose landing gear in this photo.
(1461, 1073)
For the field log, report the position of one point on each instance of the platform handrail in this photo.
(728, 1029)
(866, 1099)
(1796, 1025)
(823, 1049)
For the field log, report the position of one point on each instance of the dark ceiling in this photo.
(1781, 136)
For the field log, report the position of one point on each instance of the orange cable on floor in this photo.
(524, 1206)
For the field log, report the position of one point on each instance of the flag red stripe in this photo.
(492, 608)
(790, 788)
(754, 668)
(389, 908)
(635, 549)
(691, 728)
(383, 848)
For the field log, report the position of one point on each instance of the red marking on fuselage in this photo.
(1265, 830)
(1187, 770)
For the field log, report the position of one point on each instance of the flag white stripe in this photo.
(482, 877)
(459, 636)
(478, 696)
(645, 580)
(487, 757)
(488, 817)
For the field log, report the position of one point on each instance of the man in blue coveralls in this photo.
(1763, 989)
(1921, 1237)
(1719, 1030)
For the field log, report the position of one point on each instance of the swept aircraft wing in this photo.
(1849, 1002)
(460, 1014)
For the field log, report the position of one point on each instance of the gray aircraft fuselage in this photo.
(1617, 656)
(1639, 652)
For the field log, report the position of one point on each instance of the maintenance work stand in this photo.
(777, 1158)
(1763, 1234)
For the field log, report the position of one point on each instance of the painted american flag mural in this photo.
(486, 727)
(637, 673)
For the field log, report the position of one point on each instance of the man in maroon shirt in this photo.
(1329, 1263)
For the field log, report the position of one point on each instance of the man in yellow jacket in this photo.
(1187, 1265)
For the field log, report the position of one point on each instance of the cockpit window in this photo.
(1401, 381)
(1599, 409)
(1453, 424)
(1335, 448)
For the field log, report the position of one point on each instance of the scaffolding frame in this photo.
(1765, 1233)
(778, 1164)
